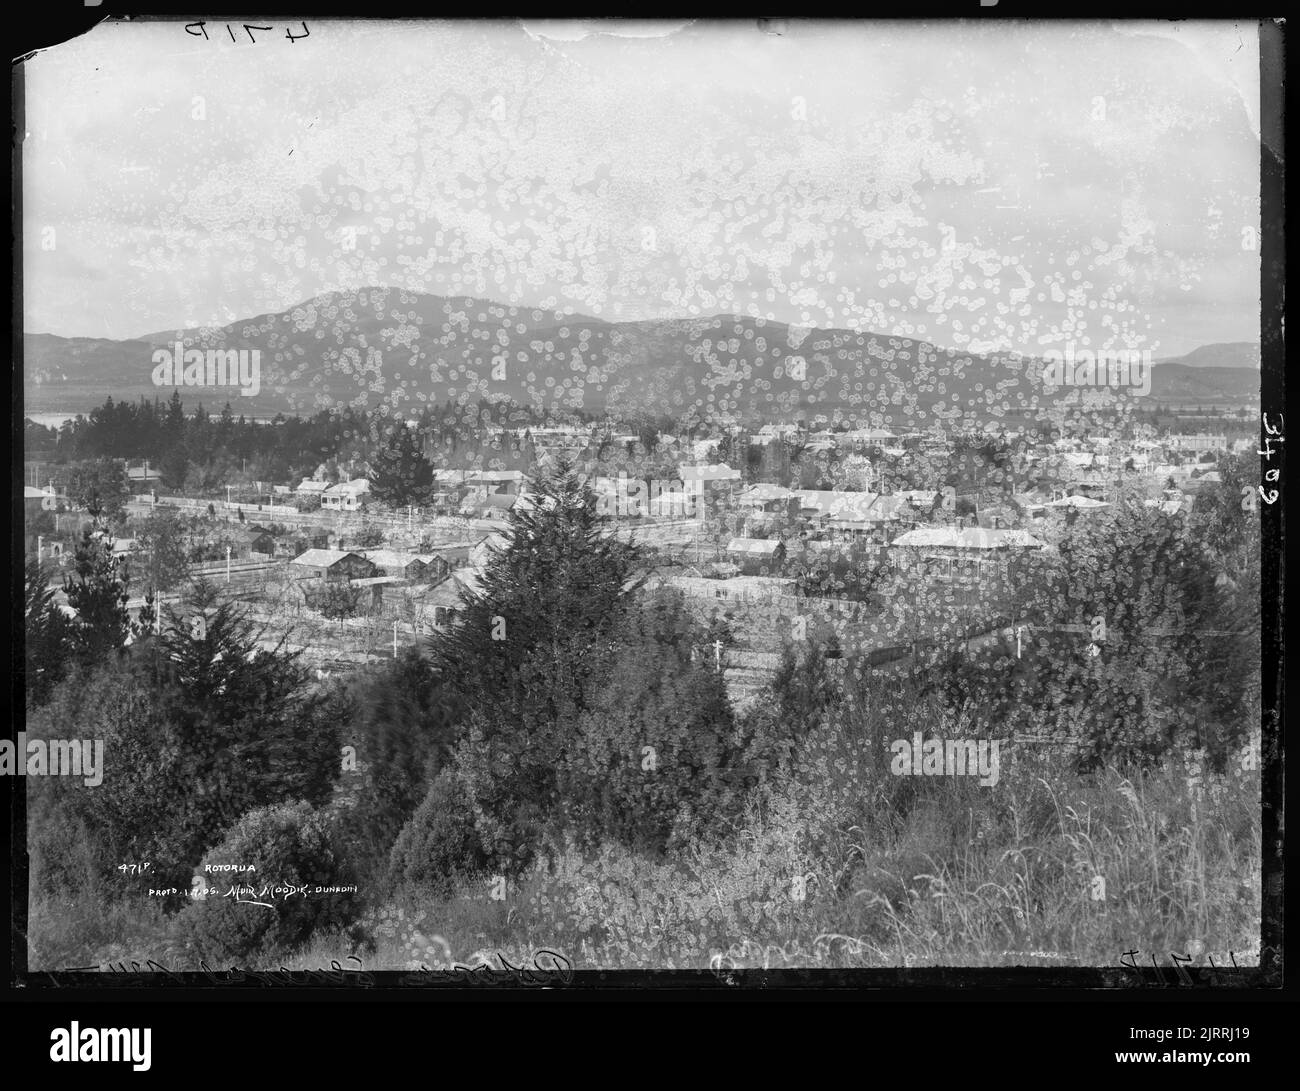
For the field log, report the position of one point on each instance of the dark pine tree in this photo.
(96, 590)
(46, 646)
(399, 473)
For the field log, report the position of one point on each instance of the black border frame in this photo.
(1042, 983)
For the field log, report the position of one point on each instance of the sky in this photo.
(987, 186)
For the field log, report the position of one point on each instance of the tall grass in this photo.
(833, 863)
(962, 875)
(90, 929)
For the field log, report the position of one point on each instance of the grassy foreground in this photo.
(832, 865)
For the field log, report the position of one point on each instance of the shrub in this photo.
(639, 745)
(369, 537)
(439, 842)
(77, 833)
(526, 651)
(65, 860)
(402, 724)
(290, 846)
(656, 759)
(332, 598)
(94, 928)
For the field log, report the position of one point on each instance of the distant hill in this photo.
(52, 361)
(402, 349)
(1230, 354)
(1204, 383)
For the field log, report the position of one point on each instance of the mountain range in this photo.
(384, 346)
(1231, 354)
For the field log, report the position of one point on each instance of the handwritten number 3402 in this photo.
(202, 31)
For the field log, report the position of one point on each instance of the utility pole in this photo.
(227, 564)
(394, 640)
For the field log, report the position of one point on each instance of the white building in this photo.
(735, 589)
(346, 496)
(1196, 443)
(966, 555)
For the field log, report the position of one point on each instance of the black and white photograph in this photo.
(504, 499)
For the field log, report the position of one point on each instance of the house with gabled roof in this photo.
(346, 496)
(442, 602)
(757, 555)
(253, 539)
(962, 554)
(767, 497)
(495, 505)
(853, 513)
(481, 551)
(715, 479)
(332, 564)
(393, 562)
(764, 548)
(1077, 502)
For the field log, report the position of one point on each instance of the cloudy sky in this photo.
(991, 186)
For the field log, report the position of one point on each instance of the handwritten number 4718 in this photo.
(202, 31)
